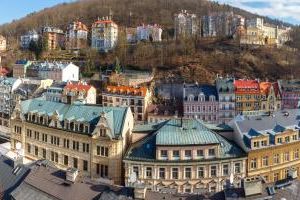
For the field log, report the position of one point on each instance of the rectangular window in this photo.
(44, 153)
(296, 154)
(225, 170)
(213, 171)
(135, 170)
(85, 147)
(188, 154)
(85, 165)
(162, 173)
(200, 172)
(188, 173)
(148, 172)
(164, 154)
(200, 153)
(276, 159)
(28, 148)
(36, 151)
(103, 171)
(237, 168)
(66, 160)
(176, 154)
(174, 173)
(98, 168)
(279, 140)
(265, 161)
(66, 143)
(253, 163)
(211, 152)
(75, 163)
(287, 156)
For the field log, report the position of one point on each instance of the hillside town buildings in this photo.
(149, 33)
(30, 36)
(222, 24)
(57, 71)
(20, 67)
(54, 38)
(260, 33)
(186, 24)
(104, 34)
(76, 35)
(2, 43)
(182, 155)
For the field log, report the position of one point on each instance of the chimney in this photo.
(71, 174)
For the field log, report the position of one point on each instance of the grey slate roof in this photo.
(8, 179)
(195, 90)
(78, 112)
(249, 127)
(45, 182)
(171, 133)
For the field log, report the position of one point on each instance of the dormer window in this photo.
(102, 132)
(212, 98)
(191, 98)
(211, 152)
(201, 97)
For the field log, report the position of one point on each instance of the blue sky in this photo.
(285, 10)
(15, 9)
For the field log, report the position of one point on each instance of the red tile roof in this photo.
(78, 86)
(246, 86)
(141, 91)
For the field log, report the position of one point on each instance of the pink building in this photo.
(201, 102)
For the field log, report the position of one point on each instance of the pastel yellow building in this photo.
(271, 142)
(90, 138)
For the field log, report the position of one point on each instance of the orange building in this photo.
(247, 96)
(54, 38)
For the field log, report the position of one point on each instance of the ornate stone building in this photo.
(90, 138)
(76, 35)
(182, 155)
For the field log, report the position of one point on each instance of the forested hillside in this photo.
(186, 60)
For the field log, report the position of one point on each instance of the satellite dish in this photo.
(18, 146)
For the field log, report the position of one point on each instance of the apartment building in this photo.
(30, 36)
(186, 24)
(290, 92)
(104, 34)
(80, 92)
(202, 102)
(54, 38)
(271, 142)
(76, 35)
(270, 96)
(89, 138)
(137, 99)
(182, 156)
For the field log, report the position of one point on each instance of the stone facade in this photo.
(93, 142)
(182, 168)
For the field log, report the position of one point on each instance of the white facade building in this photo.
(149, 33)
(104, 34)
(186, 24)
(28, 37)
